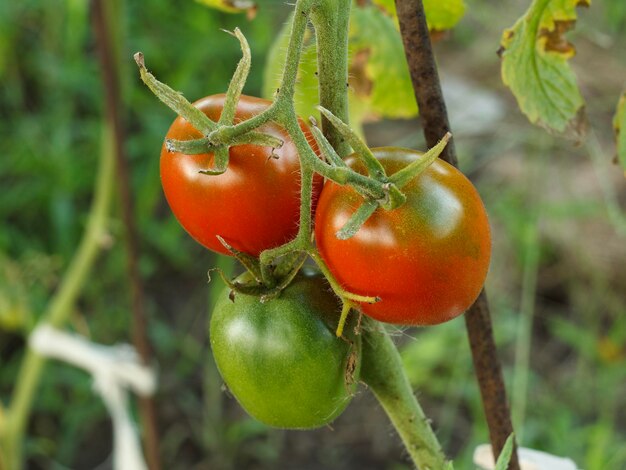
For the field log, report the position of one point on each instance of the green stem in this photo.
(174, 100)
(60, 306)
(331, 19)
(238, 81)
(327, 150)
(525, 326)
(226, 134)
(292, 59)
(383, 372)
(408, 173)
(374, 167)
(356, 221)
(336, 287)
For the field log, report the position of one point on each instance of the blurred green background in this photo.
(557, 283)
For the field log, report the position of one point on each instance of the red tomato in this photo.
(255, 204)
(427, 260)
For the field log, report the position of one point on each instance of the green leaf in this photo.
(231, 6)
(534, 66)
(443, 14)
(619, 124)
(388, 6)
(379, 75)
(440, 14)
(505, 455)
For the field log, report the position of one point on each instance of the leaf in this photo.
(534, 66)
(441, 15)
(379, 75)
(619, 124)
(505, 455)
(388, 6)
(232, 6)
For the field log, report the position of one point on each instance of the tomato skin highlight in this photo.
(281, 359)
(255, 204)
(427, 260)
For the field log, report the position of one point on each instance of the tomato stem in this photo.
(357, 220)
(226, 134)
(294, 48)
(174, 100)
(327, 150)
(383, 372)
(345, 310)
(374, 168)
(237, 82)
(189, 147)
(405, 175)
(340, 291)
(331, 19)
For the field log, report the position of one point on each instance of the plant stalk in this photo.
(382, 368)
(425, 79)
(383, 372)
(61, 305)
(103, 19)
(331, 20)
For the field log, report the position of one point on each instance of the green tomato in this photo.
(281, 359)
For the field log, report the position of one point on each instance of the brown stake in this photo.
(110, 77)
(434, 116)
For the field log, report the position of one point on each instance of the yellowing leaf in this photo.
(443, 14)
(534, 66)
(619, 124)
(440, 14)
(232, 6)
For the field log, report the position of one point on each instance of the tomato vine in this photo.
(381, 367)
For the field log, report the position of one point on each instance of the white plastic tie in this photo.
(529, 459)
(115, 370)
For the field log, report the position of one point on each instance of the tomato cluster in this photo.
(426, 261)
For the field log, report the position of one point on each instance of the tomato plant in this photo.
(281, 359)
(426, 260)
(255, 204)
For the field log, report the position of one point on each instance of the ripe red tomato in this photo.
(427, 260)
(255, 204)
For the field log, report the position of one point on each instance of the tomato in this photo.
(426, 260)
(281, 359)
(255, 204)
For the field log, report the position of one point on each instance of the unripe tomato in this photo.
(427, 260)
(281, 359)
(255, 204)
